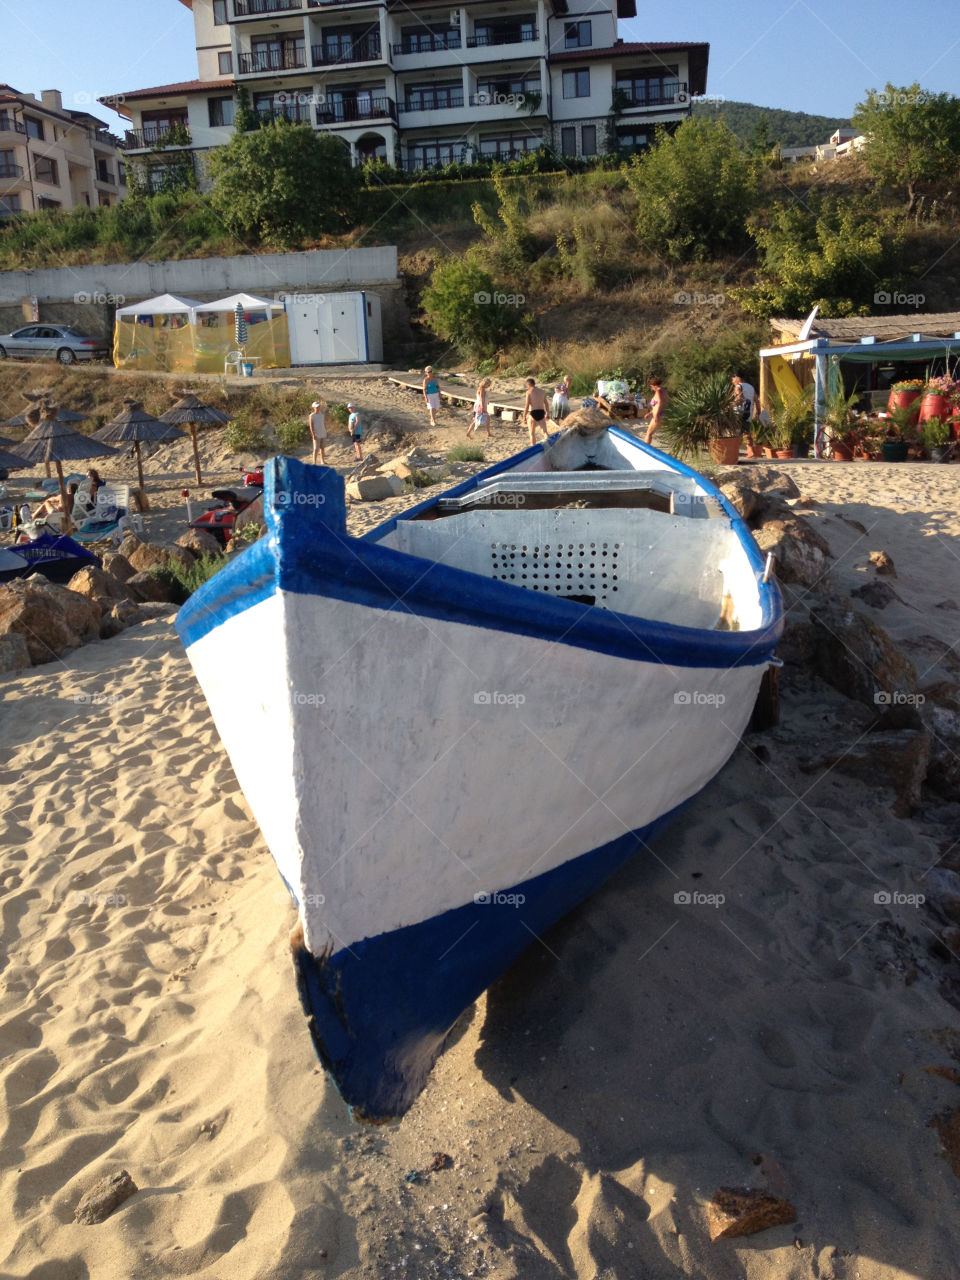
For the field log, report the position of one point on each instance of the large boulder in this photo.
(99, 586)
(249, 515)
(144, 556)
(374, 488)
(144, 586)
(117, 565)
(51, 620)
(14, 654)
(858, 657)
(800, 551)
(118, 617)
(200, 543)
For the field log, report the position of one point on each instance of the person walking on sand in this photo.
(535, 409)
(431, 393)
(658, 402)
(561, 399)
(317, 423)
(355, 427)
(744, 404)
(481, 414)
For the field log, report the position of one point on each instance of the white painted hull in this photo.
(408, 762)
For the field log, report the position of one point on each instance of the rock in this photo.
(876, 594)
(149, 555)
(882, 563)
(145, 587)
(800, 551)
(374, 488)
(896, 759)
(28, 611)
(941, 719)
(200, 543)
(128, 546)
(857, 657)
(99, 586)
(942, 889)
(772, 483)
(117, 618)
(397, 467)
(82, 614)
(14, 653)
(737, 488)
(511, 415)
(117, 565)
(249, 515)
(743, 1211)
(156, 609)
(103, 1197)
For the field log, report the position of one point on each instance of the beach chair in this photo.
(113, 503)
(233, 360)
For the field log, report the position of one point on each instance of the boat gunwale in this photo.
(361, 570)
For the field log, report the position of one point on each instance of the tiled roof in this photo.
(939, 324)
(167, 91)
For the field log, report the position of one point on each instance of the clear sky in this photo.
(776, 53)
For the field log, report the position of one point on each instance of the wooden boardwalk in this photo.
(455, 394)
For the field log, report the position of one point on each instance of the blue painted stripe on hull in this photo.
(315, 556)
(380, 1010)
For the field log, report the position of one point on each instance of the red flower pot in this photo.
(900, 399)
(842, 451)
(725, 450)
(935, 406)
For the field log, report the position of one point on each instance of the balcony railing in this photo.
(10, 171)
(106, 178)
(251, 8)
(294, 113)
(414, 165)
(669, 95)
(137, 139)
(436, 42)
(14, 126)
(366, 49)
(486, 39)
(272, 60)
(435, 102)
(347, 112)
(505, 98)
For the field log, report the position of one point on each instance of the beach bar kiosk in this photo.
(334, 328)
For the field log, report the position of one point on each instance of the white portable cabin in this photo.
(334, 328)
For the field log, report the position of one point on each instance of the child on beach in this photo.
(561, 399)
(431, 393)
(355, 427)
(481, 415)
(318, 430)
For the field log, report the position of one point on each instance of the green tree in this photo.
(913, 136)
(837, 254)
(761, 140)
(282, 183)
(464, 306)
(244, 117)
(695, 190)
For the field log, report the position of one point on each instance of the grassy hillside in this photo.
(789, 128)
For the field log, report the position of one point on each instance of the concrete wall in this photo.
(88, 296)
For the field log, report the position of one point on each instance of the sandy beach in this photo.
(761, 1000)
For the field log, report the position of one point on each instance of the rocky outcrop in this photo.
(200, 543)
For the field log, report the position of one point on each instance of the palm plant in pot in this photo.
(938, 438)
(792, 419)
(839, 423)
(702, 414)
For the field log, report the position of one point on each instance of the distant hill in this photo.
(789, 128)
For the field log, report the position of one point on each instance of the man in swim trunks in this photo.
(536, 409)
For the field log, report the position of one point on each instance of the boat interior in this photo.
(650, 544)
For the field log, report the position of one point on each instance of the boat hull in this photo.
(441, 765)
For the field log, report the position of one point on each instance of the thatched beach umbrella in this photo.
(54, 441)
(191, 412)
(63, 415)
(10, 461)
(134, 425)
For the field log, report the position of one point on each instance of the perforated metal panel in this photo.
(572, 568)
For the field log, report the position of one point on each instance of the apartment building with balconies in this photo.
(51, 158)
(425, 83)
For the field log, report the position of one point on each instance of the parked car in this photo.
(52, 341)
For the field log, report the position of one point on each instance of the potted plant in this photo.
(702, 414)
(901, 433)
(939, 397)
(839, 424)
(938, 439)
(792, 421)
(905, 393)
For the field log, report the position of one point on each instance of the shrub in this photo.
(338, 413)
(291, 433)
(241, 436)
(183, 580)
(461, 306)
(465, 453)
(418, 479)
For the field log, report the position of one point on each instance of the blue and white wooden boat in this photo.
(466, 720)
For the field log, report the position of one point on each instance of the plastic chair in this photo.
(113, 503)
(233, 360)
